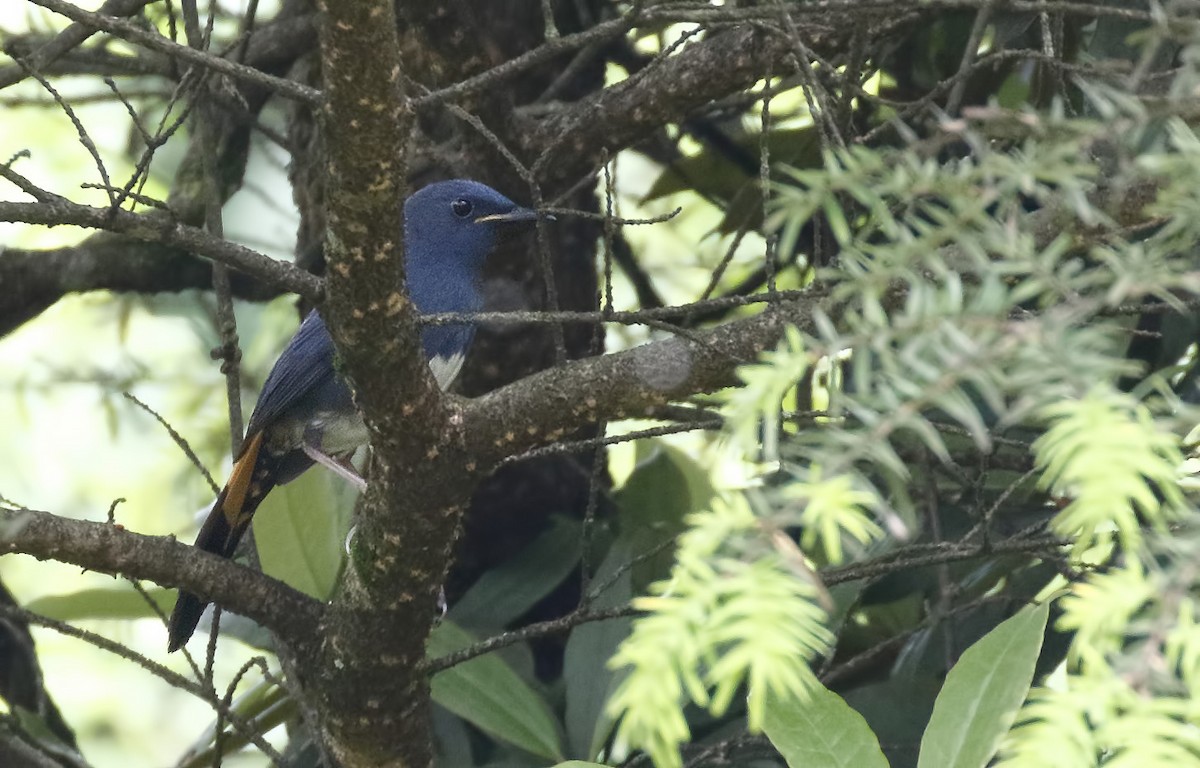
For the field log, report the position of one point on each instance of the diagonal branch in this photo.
(111, 549)
(138, 36)
(35, 279)
(21, 681)
(70, 38)
(159, 227)
(540, 409)
(573, 139)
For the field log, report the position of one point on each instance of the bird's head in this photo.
(457, 222)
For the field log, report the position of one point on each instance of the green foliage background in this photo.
(956, 322)
(950, 521)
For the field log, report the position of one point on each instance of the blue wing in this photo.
(304, 375)
(304, 371)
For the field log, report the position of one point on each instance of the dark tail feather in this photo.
(219, 538)
(220, 534)
(185, 617)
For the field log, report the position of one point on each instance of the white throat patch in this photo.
(445, 369)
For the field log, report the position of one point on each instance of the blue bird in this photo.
(306, 414)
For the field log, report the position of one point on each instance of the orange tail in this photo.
(221, 532)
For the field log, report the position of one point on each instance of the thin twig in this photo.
(178, 439)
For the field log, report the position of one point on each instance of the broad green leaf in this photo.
(489, 694)
(982, 693)
(897, 711)
(453, 738)
(925, 654)
(588, 678)
(506, 593)
(300, 531)
(102, 603)
(580, 764)
(665, 487)
(823, 731)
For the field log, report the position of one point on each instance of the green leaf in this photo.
(897, 711)
(666, 486)
(489, 694)
(102, 603)
(982, 693)
(300, 531)
(580, 764)
(453, 738)
(588, 679)
(823, 731)
(505, 593)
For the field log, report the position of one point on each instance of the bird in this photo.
(305, 413)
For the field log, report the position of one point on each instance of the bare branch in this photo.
(548, 405)
(198, 689)
(71, 37)
(541, 629)
(139, 36)
(157, 227)
(111, 549)
(568, 141)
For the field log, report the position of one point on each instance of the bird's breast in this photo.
(336, 432)
(331, 432)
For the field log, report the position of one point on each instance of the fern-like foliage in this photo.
(1105, 451)
(969, 299)
(1132, 692)
(733, 613)
(1104, 721)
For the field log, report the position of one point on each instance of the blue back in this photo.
(445, 250)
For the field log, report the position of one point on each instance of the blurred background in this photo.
(74, 445)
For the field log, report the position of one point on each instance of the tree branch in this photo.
(542, 408)
(572, 140)
(35, 279)
(374, 703)
(139, 36)
(159, 227)
(21, 681)
(111, 549)
(70, 38)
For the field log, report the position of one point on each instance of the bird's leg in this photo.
(341, 468)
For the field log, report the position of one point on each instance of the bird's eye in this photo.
(461, 208)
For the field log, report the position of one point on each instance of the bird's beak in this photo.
(515, 215)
